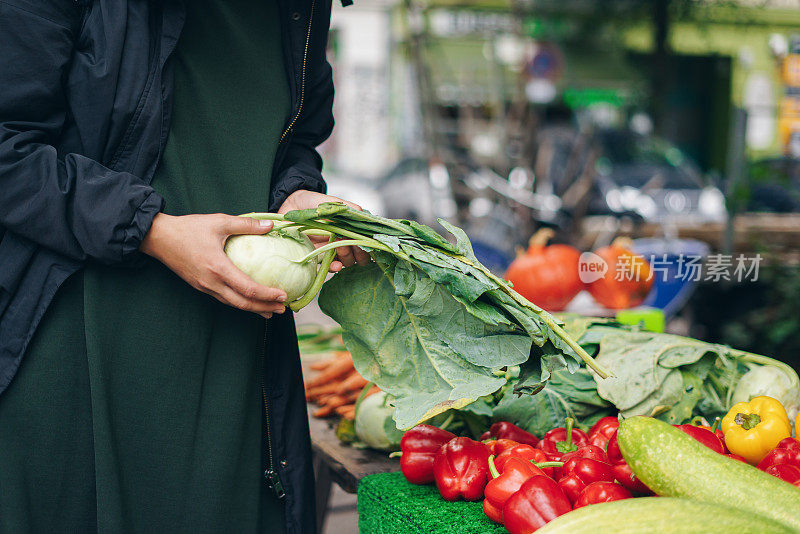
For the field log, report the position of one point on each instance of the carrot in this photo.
(323, 411)
(335, 401)
(348, 411)
(353, 396)
(353, 382)
(322, 390)
(340, 367)
(320, 366)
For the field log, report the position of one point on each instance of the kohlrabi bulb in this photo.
(267, 259)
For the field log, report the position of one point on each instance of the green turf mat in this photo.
(388, 504)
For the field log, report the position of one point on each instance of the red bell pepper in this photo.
(505, 482)
(786, 472)
(506, 430)
(525, 452)
(598, 492)
(587, 451)
(419, 447)
(622, 471)
(497, 446)
(717, 432)
(624, 475)
(792, 444)
(613, 452)
(602, 431)
(704, 436)
(538, 501)
(559, 441)
(584, 472)
(787, 451)
(461, 469)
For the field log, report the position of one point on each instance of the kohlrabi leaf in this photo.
(415, 341)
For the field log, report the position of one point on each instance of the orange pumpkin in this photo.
(546, 275)
(628, 279)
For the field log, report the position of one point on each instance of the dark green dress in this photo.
(138, 407)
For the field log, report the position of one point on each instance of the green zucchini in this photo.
(665, 515)
(673, 464)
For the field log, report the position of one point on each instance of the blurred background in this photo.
(673, 122)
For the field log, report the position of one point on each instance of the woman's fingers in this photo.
(245, 225)
(345, 255)
(349, 256)
(362, 258)
(233, 298)
(256, 297)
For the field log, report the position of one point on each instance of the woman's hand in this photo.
(193, 247)
(301, 200)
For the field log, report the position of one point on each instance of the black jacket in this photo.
(85, 99)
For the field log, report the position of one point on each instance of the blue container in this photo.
(677, 268)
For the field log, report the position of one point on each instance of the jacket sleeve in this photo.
(66, 202)
(301, 167)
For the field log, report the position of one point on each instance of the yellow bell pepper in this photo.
(754, 428)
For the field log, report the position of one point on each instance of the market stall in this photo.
(507, 416)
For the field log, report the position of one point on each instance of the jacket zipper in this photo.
(270, 474)
(302, 75)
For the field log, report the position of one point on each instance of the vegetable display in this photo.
(546, 275)
(673, 378)
(425, 321)
(651, 448)
(670, 377)
(688, 466)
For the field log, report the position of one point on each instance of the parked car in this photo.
(651, 178)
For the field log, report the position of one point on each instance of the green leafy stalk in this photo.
(316, 285)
